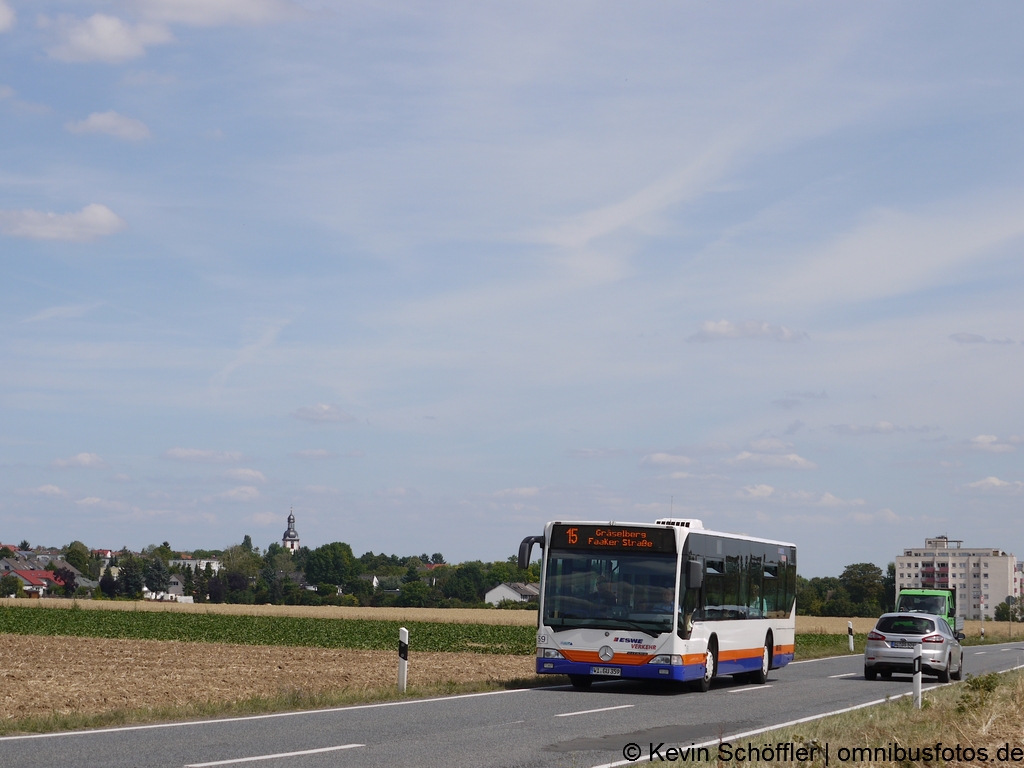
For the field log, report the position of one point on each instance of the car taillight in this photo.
(932, 639)
(872, 635)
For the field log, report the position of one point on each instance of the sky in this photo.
(432, 275)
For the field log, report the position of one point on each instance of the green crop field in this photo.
(269, 630)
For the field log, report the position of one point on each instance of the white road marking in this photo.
(980, 653)
(274, 757)
(275, 714)
(845, 674)
(591, 711)
(749, 689)
(825, 658)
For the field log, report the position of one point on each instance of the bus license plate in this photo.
(613, 671)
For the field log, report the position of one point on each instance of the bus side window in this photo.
(771, 589)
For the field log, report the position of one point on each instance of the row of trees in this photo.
(860, 590)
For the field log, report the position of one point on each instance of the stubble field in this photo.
(42, 676)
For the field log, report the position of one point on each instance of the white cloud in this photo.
(667, 460)
(990, 444)
(246, 475)
(993, 483)
(45, 490)
(711, 330)
(321, 412)
(312, 454)
(105, 38)
(517, 492)
(209, 13)
(112, 124)
(264, 519)
(63, 313)
(241, 493)
(679, 475)
(8, 18)
(769, 445)
(878, 428)
(761, 491)
(748, 460)
(93, 221)
(322, 490)
(881, 516)
(89, 460)
(595, 453)
(6, 92)
(199, 454)
(973, 338)
(90, 501)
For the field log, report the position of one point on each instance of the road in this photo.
(554, 726)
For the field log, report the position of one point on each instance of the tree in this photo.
(25, 546)
(333, 563)
(108, 584)
(413, 594)
(77, 555)
(217, 589)
(865, 586)
(889, 601)
(66, 577)
(10, 586)
(466, 583)
(158, 578)
(164, 552)
(412, 575)
(437, 558)
(131, 579)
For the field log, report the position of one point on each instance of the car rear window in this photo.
(905, 625)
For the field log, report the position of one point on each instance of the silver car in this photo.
(891, 647)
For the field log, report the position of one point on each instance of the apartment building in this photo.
(982, 577)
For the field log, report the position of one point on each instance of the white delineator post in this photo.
(849, 633)
(403, 659)
(917, 675)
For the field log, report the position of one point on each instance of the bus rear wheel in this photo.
(760, 676)
(580, 682)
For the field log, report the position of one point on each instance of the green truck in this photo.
(940, 602)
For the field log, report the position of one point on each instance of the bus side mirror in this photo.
(694, 574)
(526, 547)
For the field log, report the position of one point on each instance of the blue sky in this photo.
(434, 275)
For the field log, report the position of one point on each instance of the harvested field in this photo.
(436, 615)
(73, 675)
(831, 625)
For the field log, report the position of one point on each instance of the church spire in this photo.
(290, 540)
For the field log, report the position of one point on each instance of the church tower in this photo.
(290, 540)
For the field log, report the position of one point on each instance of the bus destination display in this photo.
(621, 537)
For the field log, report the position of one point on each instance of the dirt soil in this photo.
(40, 675)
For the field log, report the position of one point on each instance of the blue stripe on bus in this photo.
(641, 672)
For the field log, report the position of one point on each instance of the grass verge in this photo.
(286, 701)
(973, 722)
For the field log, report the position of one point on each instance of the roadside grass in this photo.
(982, 713)
(293, 700)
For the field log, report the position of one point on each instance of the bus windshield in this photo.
(934, 604)
(610, 590)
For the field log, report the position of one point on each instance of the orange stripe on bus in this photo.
(743, 653)
(622, 659)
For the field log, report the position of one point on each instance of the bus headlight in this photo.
(549, 653)
(666, 658)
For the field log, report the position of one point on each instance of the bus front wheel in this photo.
(703, 683)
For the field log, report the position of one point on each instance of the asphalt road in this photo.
(555, 726)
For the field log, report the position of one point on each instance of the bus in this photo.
(663, 601)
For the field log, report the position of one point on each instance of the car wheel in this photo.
(959, 674)
(869, 673)
(760, 676)
(703, 683)
(580, 682)
(944, 674)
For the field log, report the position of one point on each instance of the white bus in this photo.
(662, 601)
